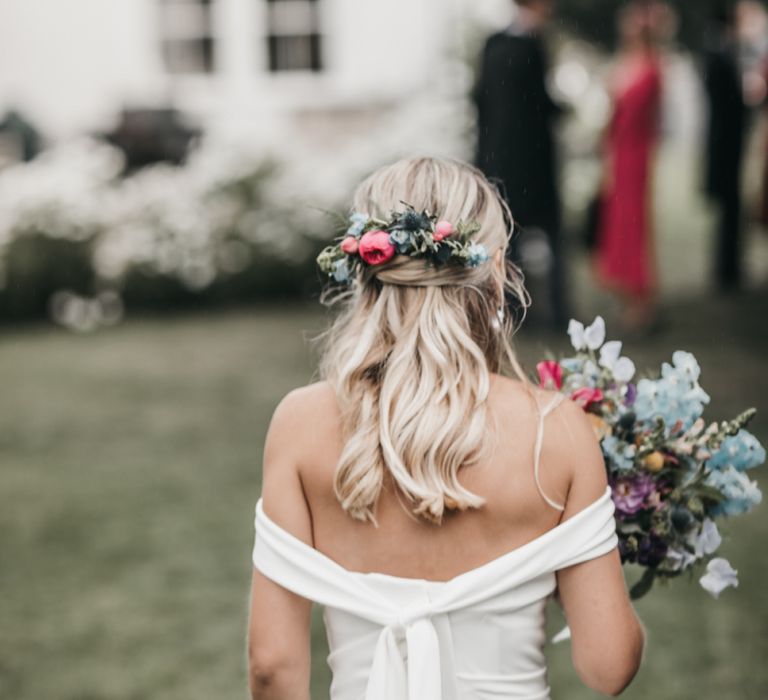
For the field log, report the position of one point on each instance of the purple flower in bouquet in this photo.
(632, 494)
(652, 550)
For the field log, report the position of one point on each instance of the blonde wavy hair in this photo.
(411, 353)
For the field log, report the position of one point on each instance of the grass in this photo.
(130, 465)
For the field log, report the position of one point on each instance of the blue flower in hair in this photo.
(358, 222)
(477, 255)
(341, 271)
(402, 240)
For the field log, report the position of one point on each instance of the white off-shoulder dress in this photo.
(478, 636)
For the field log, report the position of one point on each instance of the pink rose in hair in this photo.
(350, 246)
(550, 374)
(443, 230)
(586, 397)
(376, 248)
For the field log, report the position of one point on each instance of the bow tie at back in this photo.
(420, 676)
(407, 662)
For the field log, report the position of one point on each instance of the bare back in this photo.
(404, 546)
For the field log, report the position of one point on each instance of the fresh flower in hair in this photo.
(370, 242)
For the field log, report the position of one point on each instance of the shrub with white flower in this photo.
(672, 475)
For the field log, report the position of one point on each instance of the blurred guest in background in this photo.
(725, 141)
(625, 252)
(516, 118)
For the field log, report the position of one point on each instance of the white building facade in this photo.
(229, 64)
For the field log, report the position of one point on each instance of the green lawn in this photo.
(129, 470)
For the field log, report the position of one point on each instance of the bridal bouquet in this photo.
(672, 474)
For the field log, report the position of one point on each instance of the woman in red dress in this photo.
(625, 252)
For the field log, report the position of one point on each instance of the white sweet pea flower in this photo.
(708, 540)
(622, 368)
(720, 574)
(576, 333)
(595, 334)
(680, 559)
(610, 353)
(592, 337)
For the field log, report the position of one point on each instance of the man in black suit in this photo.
(725, 142)
(516, 145)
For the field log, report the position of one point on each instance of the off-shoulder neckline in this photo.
(496, 561)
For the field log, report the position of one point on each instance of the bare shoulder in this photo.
(306, 406)
(572, 440)
(571, 458)
(509, 392)
(297, 433)
(301, 417)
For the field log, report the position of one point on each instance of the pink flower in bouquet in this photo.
(587, 397)
(443, 230)
(376, 248)
(550, 374)
(350, 246)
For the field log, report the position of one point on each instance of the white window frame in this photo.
(190, 23)
(294, 19)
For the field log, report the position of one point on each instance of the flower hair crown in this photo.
(370, 242)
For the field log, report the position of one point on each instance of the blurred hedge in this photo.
(74, 232)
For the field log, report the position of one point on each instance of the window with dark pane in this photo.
(188, 46)
(294, 37)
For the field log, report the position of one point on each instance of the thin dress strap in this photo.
(543, 413)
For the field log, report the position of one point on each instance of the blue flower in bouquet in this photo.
(651, 400)
(671, 398)
(618, 453)
(587, 376)
(741, 494)
(686, 365)
(572, 364)
(742, 451)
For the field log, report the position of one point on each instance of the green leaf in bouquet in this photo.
(709, 493)
(740, 422)
(696, 506)
(730, 428)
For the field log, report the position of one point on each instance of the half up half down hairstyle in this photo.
(411, 353)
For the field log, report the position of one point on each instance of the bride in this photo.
(425, 493)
